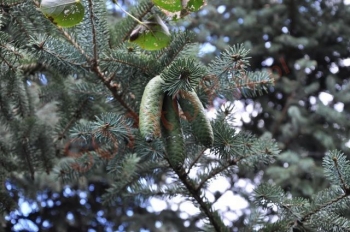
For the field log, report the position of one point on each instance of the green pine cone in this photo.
(172, 132)
(195, 114)
(151, 109)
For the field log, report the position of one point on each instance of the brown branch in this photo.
(94, 40)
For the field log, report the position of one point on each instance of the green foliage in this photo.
(92, 83)
(72, 102)
(324, 212)
(307, 109)
(231, 74)
(184, 75)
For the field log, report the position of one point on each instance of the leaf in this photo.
(64, 13)
(152, 38)
(169, 5)
(195, 5)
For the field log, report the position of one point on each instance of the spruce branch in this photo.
(231, 61)
(195, 160)
(46, 49)
(111, 128)
(318, 209)
(8, 64)
(114, 90)
(32, 68)
(27, 155)
(74, 118)
(66, 35)
(126, 172)
(5, 110)
(249, 83)
(94, 66)
(22, 27)
(9, 48)
(326, 204)
(74, 43)
(94, 40)
(222, 167)
(340, 175)
(18, 93)
(230, 71)
(183, 74)
(214, 219)
(337, 168)
(178, 45)
(129, 60)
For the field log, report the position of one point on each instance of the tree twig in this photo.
(215, 221)
(216, 171)
(195, 161)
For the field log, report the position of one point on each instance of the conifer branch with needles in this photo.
(215, 221)
(75, 116)
(326, 204)
(123, 73)
(94, 65)
(222, 167)
(195, 160)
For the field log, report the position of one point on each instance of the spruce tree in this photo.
(304, 46)
(94, 125)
